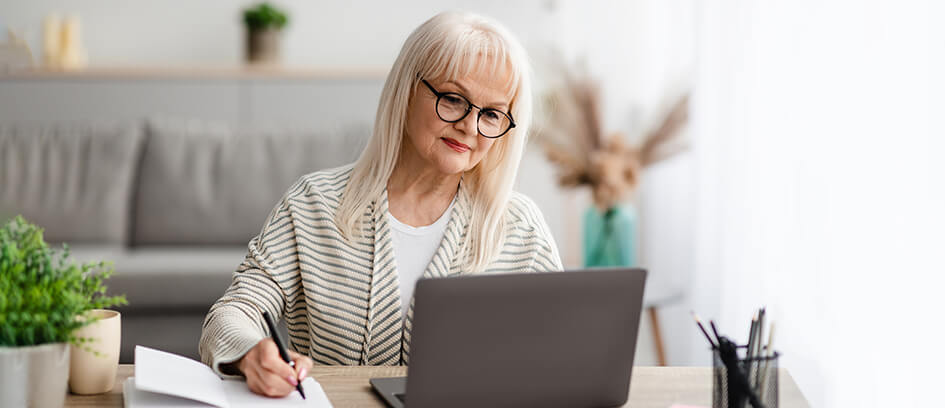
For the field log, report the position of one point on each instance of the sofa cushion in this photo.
(166, 279)
(207, 183)
(72, 179)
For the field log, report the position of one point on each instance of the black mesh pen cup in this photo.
(758, 373)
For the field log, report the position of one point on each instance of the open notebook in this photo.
(168, 380)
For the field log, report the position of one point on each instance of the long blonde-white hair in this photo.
(448, 46)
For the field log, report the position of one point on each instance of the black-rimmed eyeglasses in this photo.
(452, 107)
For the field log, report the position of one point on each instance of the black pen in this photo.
(281, 346)
(738, 383)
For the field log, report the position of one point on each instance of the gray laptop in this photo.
(558, 339)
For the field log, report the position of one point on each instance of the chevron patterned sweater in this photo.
(340, 297)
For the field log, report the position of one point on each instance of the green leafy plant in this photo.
(43, 295)
(264, 15)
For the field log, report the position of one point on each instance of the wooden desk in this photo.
(656, 387)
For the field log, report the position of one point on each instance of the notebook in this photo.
(167, 380)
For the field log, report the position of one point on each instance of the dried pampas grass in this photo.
(573, 138)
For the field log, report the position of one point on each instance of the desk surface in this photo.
(656, 387)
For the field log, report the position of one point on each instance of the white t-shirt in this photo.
(414, 248)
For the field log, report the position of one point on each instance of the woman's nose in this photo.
(469, 125)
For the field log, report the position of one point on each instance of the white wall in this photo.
(820, 138)
(642, 50)
(183, 32)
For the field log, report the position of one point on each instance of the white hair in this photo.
(449, 46)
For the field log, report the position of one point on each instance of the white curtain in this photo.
(820, 167)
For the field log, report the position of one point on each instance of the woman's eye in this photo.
(454, 100)
(491, 116)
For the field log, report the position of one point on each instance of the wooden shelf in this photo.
(203, 73)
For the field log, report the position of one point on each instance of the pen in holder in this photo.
(760, 373)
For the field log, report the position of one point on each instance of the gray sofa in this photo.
(172, 203)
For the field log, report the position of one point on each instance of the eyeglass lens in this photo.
(453, 107)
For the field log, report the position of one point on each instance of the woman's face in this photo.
(453, 148)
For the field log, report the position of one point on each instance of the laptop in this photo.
(556, 339)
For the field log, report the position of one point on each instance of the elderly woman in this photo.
(431, 196)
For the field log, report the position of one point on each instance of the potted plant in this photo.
(264, 25)
(45, 299)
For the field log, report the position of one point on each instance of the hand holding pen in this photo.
(266, 371)
(296, 377)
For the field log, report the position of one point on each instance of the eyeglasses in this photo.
(452, 107)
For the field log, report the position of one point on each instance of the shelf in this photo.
(203, 73)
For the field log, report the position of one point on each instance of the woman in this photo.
(430, 196)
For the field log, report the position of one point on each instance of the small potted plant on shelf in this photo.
(264, 25)
(45, 298)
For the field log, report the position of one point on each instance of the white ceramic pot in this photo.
(34, 376)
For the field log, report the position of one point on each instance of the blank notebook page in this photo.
(167, 373)
(240, 396)
(237, 392)
(170, 375)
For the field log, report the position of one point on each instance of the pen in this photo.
(282, 352)
(738, 385)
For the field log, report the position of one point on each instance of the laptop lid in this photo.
(557, 339)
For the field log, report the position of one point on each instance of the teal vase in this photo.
(610, 236)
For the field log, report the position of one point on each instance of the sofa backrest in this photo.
(159, 182)
(203, 183)
(72, 179)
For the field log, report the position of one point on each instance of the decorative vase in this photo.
(610, 236)
(34, 376)
(262, 45)
(95, 363)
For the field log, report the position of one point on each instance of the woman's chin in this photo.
(452, 165)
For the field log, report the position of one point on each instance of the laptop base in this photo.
(392, 390)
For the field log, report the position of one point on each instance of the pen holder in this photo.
(761, 374)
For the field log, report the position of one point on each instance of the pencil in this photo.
(761, 333)
(759, 346)
(714, 330)
(701, 327)
(770, 354)
(751, 334)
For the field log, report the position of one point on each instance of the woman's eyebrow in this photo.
(504, 105)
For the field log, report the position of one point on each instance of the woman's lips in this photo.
(455, 145)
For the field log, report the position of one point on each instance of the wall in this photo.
(819, 138)
(181, 32)
(642, 50)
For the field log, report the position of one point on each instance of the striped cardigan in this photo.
(340, 297)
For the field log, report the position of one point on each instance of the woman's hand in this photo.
(266, 373)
